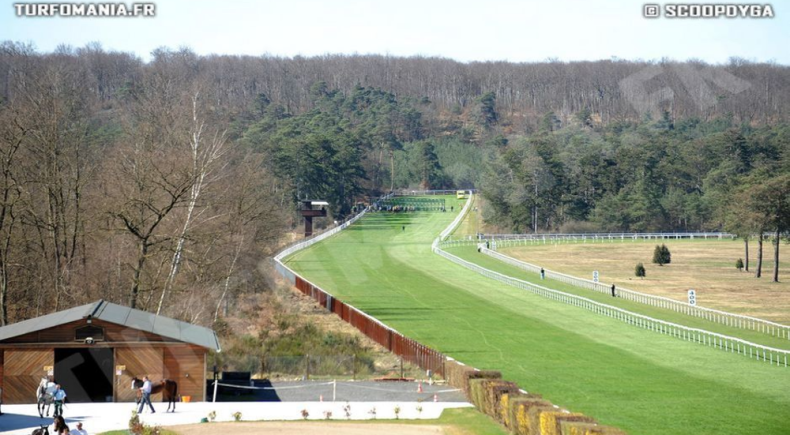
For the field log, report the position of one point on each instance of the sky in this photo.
(491, 30)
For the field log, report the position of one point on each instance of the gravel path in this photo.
(344, 391)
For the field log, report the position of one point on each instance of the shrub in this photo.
(328, 415)
(504, 409)
(457, 374)
(665, 254)
(639, 270)
(476, 393)
(467, 376)
(493, 394)
(739, 264)
(519, 412)
(236, 416)
(212, 415)
(583, 428)
(305, 414)
(347, 411)
(551, 422)
(138, 428)
(135, 426)
(533, 416)
(658, 256)
(397, 412)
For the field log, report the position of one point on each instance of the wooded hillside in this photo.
(164, 184)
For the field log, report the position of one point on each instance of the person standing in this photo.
(146, 390)
(59, 396)
(79, 430)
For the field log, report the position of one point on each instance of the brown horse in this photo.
(168, 387)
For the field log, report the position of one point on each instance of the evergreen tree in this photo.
(658, 256)
(640, 271)
(486, 110)
(666, 256)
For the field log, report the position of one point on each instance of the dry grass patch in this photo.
(707, 266)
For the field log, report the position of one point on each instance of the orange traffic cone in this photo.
(419, 387)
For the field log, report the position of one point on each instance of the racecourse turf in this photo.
(624, 376)
(469, 253)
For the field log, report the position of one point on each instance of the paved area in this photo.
(100, 417)
(317, 428)
(357, 391)
(262, 401)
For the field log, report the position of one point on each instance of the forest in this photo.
(165, 184)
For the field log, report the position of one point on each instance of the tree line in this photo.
(163, 184)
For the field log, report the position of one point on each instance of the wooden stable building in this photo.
(95, 350)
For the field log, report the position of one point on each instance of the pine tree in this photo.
(658, 256)
(640, 270)
(665, 254)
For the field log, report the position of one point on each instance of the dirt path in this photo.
(300, 428)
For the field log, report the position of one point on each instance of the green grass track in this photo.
(469, 253)
(643, 382)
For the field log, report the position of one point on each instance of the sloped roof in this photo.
(120, 315)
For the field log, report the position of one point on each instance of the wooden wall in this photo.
(23, 358)
(139, 362)
(181, 361)
(23, 370)
(65, 334)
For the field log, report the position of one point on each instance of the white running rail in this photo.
(701, 336)
(601, 237)
(717, 316)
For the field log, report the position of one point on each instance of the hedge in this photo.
(582, 428)
(550, 422)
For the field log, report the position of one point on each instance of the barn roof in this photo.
(120, 315)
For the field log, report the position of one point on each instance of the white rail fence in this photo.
(710, 314)
(719, 341)
(405, 192)
(524, 239)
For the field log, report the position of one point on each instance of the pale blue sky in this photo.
(515, 30)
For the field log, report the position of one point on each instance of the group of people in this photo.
(61, 428)
(59, 396)
(55, 391)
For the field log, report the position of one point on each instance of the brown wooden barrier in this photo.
(406, 348)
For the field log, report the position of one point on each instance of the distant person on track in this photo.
(542, 273)
(403, 228)
(614, 295)
(59, 397)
